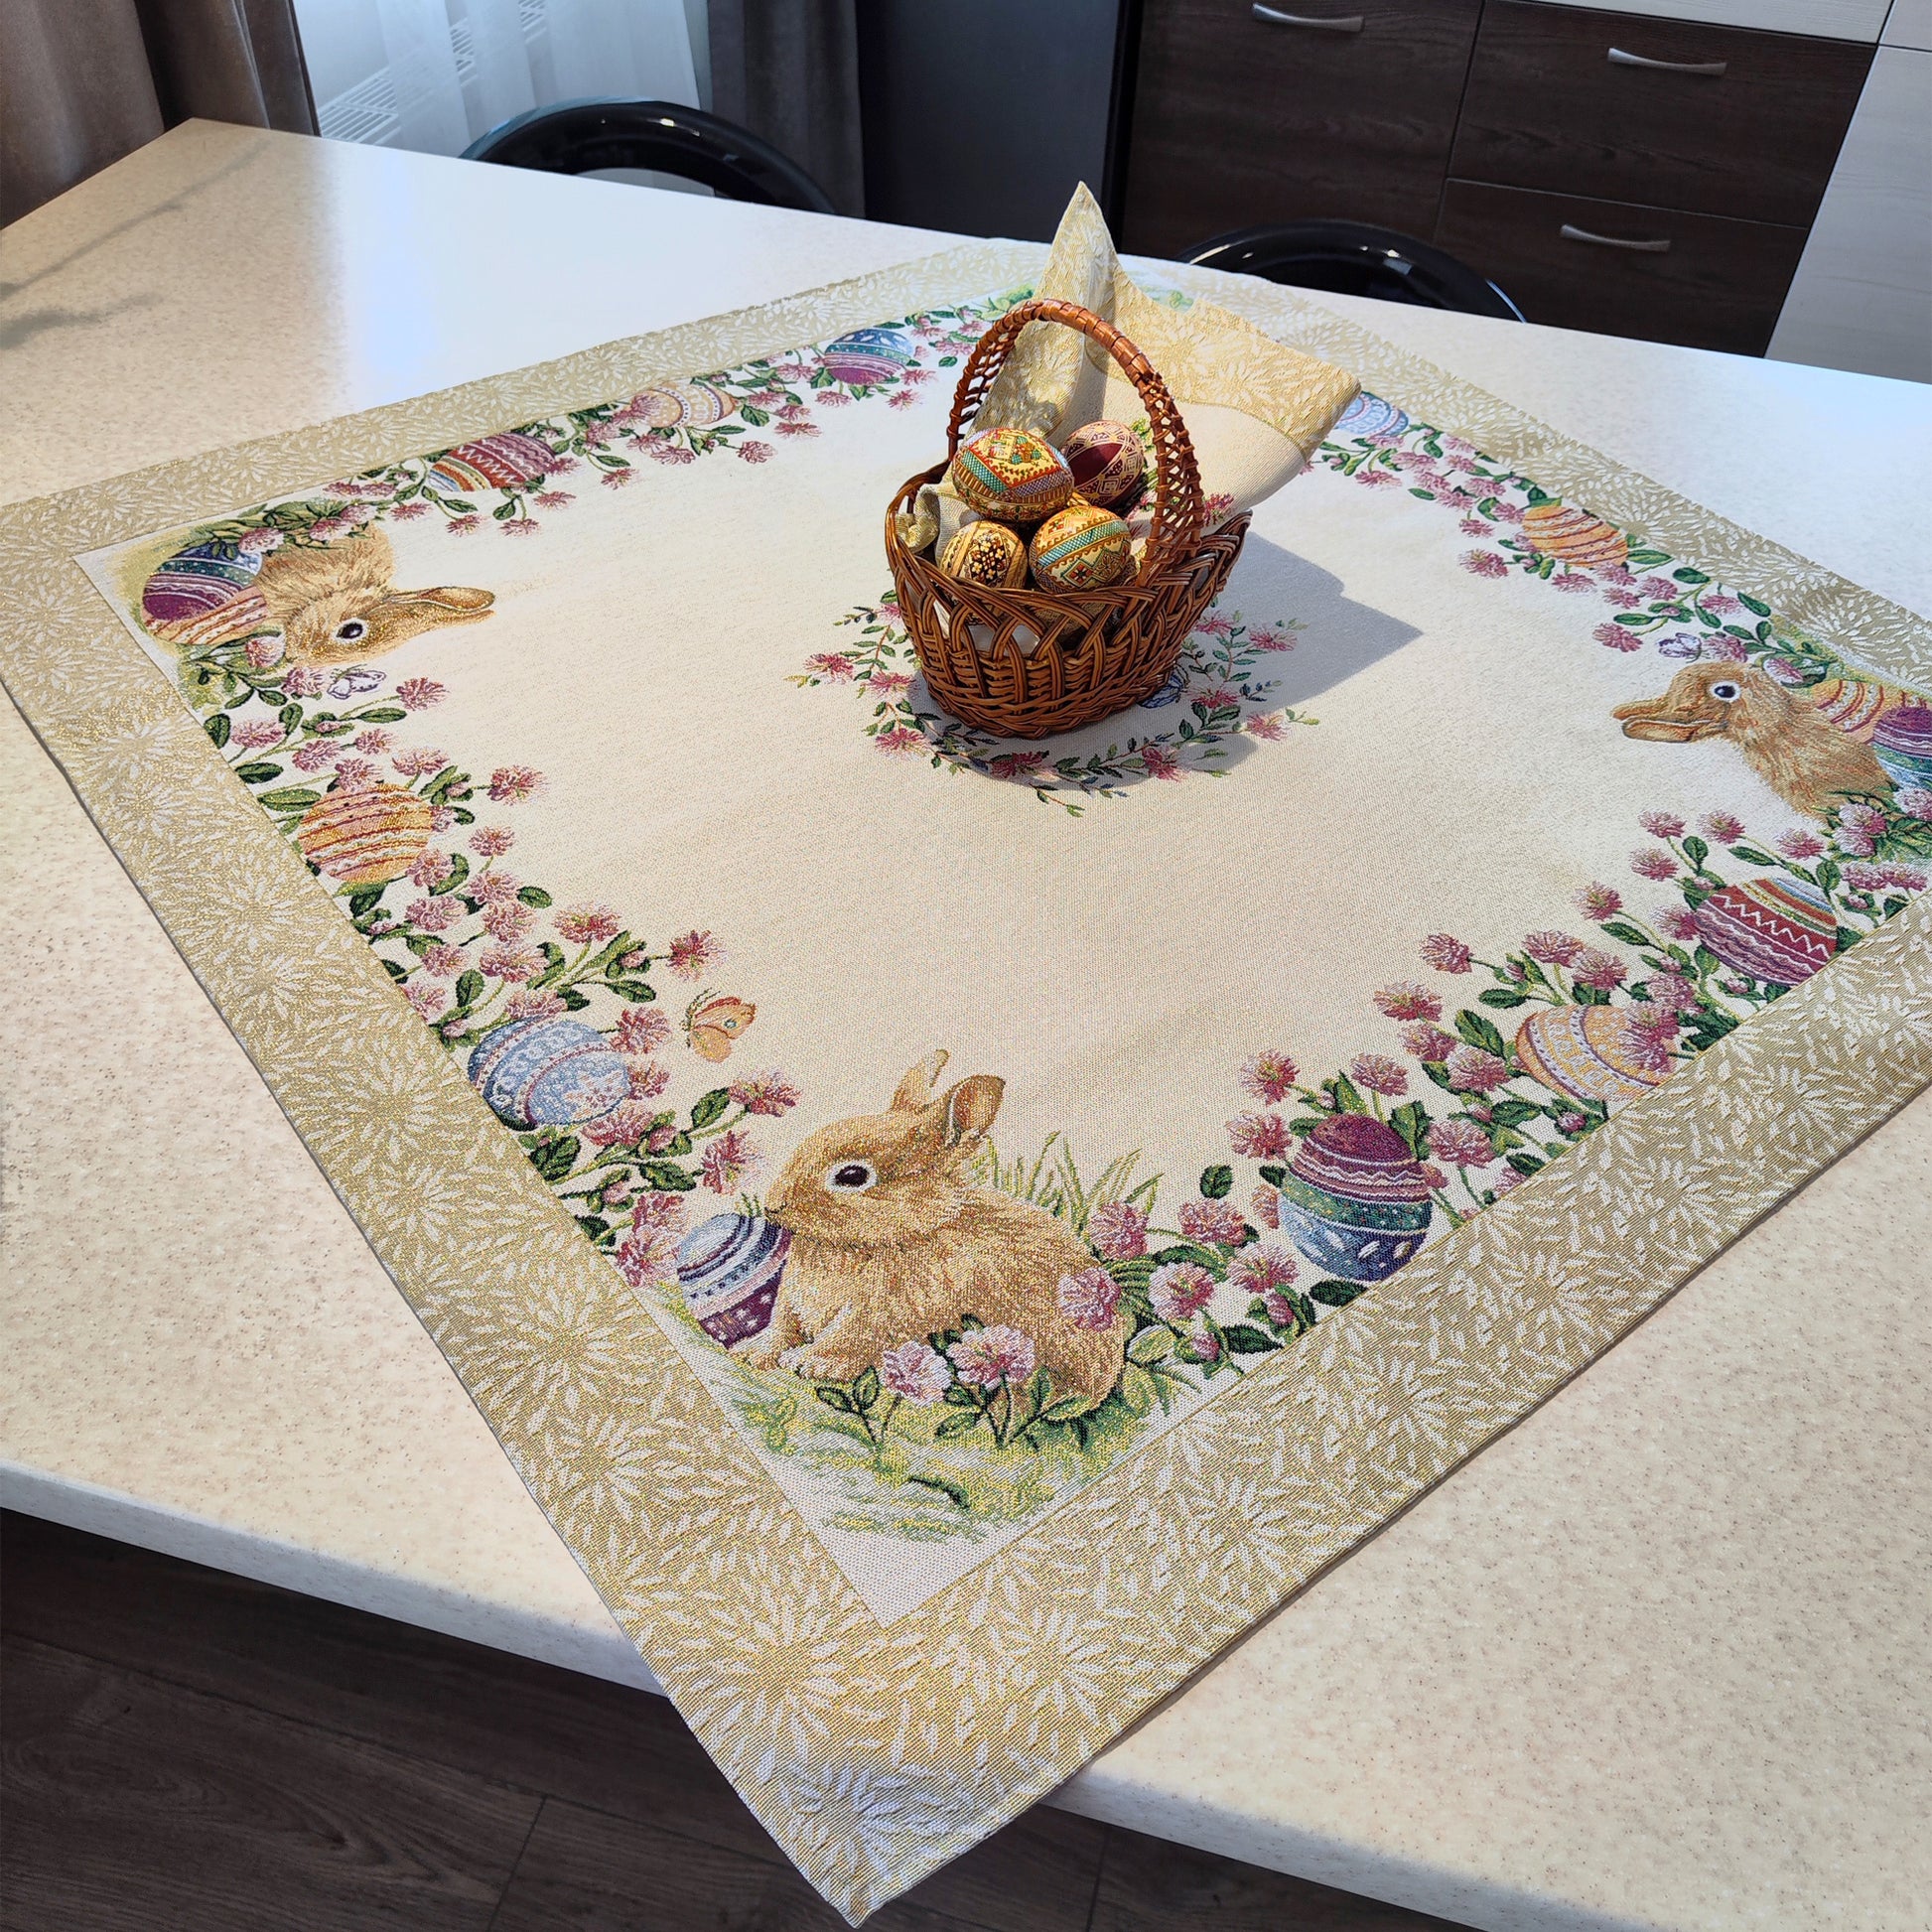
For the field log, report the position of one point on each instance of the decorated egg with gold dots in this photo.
(1777, 929)
(1011, 474)
(1573, 537)
(1589, 1054)
(1354, 1200)
(730, 1270)
(549, 1072)
(367, 837)
(1107, 461)
(1081, 548)
(988, 554)
(686, 405)
(1902, 744)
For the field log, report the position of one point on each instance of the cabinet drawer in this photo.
(1238, 119)
(1719, 284)
(1549, 108)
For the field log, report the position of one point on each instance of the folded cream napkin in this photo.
(1256, 411)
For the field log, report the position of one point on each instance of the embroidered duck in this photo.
(1810, 746)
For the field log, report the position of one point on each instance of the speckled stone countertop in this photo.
(1660, 1657)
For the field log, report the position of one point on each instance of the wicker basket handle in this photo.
(1180, 511)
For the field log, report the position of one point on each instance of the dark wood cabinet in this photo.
(1492, 127)
(1713, 120)
(1239, 118)
(1622, 269)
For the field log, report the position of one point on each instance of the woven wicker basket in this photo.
(1027, 662)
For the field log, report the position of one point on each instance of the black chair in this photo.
(577, 136)
(1357, 258)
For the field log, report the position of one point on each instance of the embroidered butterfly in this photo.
(714, 1021)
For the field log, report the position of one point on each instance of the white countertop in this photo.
(1658, 1658)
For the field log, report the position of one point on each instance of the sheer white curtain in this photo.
(433, 74)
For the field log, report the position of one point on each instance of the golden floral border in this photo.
(876, 1752)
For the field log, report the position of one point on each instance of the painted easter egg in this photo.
(1369, 415)
(988, 554)
(1853, 704)
(549, 1072)
(204, 594)
(730, 1270)
(1353, 1199)
(1902, 744)
(1013, 475)
(1775, 928)
(866, 357)
(692, 405)
(1107, 461)
(367, 837)
(505, 462)
(1573, 537)
(1079, 548)
(1587, 1052)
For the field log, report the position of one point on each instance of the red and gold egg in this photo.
(1107, 461)
(1776, 928)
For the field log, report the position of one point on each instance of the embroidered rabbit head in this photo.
(880, 1179)
(339, 605)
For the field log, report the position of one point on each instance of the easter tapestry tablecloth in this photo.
(952, 1232)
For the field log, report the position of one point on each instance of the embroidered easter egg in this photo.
(204, 594)
(505, 462)
(866, 357)
(367, 837)
(1011, 474)
(1353, 1199)
(1587, 1052)
(988, 554)
(1573, 537)
(1369, 415)
(1853, 704)
(1775, 928)
(693, 405)
(1902, 744)
(1107, 461)
(730, 1270)
(1080, 548)
(549, 1072)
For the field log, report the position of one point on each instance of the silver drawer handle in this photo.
(1619, 58)
(1347, 24)
(1610, 241)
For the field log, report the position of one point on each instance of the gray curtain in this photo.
(84, 81)
(788, 69)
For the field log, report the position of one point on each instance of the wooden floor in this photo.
(185, 1749)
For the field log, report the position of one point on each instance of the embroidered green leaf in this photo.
(553, 1160)
(1696, 850)
(1410, 1121)
(1138, 1391)
(364, 901)
(1216, 1183)
(1751, 604)
(292, 798)
(469, 989)
(217, 728)
(1526, 1164)
(257, 774)
(708, 1107)
(1502, 996)
(1150, 1344)
(1478, 1032)
(1751, 856)
(1274, 1175)
(833, 1398)
(1244, 1340)
(636, 991)
(865, 1391)
(1347, 1096)
(388, 714)
(1622, 929)
(666, 1176)
(959, 1423)
(533, 895)
(1513, 1112)
(1334, 1294)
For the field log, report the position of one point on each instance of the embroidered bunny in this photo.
(339, 605)
(892, 1243)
